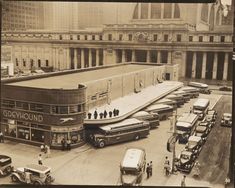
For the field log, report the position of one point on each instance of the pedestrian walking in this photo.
(40, 159)
(68, 144)
(1, 137)
(167, 166)
(105, 113)
(114, 112)
(148, 171)
(101, 115)
(48, 151)
(89, 115)
(45, 149)
(63, 144)
(110, 114)
(151, 168)
(28, 177)
(42, 148)
(183, 181)
(117, 112)
(95, 114)
(197, 169)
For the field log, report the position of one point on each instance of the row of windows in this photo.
(71, 109)
(31, 62)
(211, 38)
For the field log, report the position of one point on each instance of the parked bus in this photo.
(177, 98)
(192, 91)
(164, 111)
(153, 119)
(185, 95)
(132, 167)
(185, 126)
(168, 102)
(128, 129)
(200, 107)
(203, 88)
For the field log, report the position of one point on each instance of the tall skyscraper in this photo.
(22, 15)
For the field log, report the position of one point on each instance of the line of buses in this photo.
(139, 124)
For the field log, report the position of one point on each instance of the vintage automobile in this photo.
(226, 120)
(5, 165)
(213, 113)
(202, 131)
(210, 119)
(206, 124)
(225, 88)
(37, 175)
(186, 161)
(194, 145)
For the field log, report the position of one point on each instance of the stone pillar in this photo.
(162, 10)
(204, 65)
(54, 58)
(139, 10)
(133, 56)
(148, 56)
(194, 65)
(97, 57)
(57, 58)
(68, 62)
(90, 57)
(149, 11)
(104, 57)
(215, 64)
(75, 60)
(169, 60)
(123, 56)
(225, 73)
(173, 10)
(82, 58)
(158, 57)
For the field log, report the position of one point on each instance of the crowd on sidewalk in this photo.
(103, 114)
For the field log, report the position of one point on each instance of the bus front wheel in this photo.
(101, 144)
(137, 137)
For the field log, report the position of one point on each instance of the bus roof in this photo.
(202, 102)
(120, 124)
(179, 92)
(159, 107)
(188, 118)
(187, 88)
(164, 100)
(198, 84)
(183, 124)
(132, 158)
(140, 113)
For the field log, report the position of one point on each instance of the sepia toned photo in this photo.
(117, 94)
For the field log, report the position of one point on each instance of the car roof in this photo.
(38, 168)
(194, 138)
(132, 158)
(186, 152)
(201, 128)
(227, 114)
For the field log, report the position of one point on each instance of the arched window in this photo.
(135, 14)
(177, 11)
(156, 10)
(144, 10)
(204, 13)
(212, 17)
(167, 10)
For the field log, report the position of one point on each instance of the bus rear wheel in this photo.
(101, 144)
(137, 137)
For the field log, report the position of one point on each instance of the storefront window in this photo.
(57, 137)
(23, 133)
(10, 128)
(75, 137)
(37, 135)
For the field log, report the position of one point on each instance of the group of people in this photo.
(46, 150)
(104, 114)
(1, 137)
(66, 144)
(149, 169)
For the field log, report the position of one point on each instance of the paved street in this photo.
(90, 166)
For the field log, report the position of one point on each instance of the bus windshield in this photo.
(129, 171)
(185, 129)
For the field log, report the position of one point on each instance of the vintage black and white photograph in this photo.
(117, 93)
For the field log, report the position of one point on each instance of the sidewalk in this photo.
(134, 102)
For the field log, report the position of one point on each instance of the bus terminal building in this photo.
(47, 108)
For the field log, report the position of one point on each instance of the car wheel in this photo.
(37, 183)
(137, 137)
(101, 144)
(14, 178)
(8, 170)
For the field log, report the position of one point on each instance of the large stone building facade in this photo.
(196, 36)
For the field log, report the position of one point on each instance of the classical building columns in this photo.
(75, 58)
(225, 73)
(139, 10)
(90, 57)
(123, 56)
(204, 65)
(149, 11)
(148, 56)
(97, 57)
(82, 58)
(158, 57)
(169, 59)
(133, 56)
(215, 64)
(194, 65)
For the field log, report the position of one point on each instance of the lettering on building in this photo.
(23, 116)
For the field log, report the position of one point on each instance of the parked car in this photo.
(5, 165)
(225, 88)
(226, 120)
(202, 131)
(210, 119)
(213, 113)
(206, 124)
(38, 175)
(186, 161)
(194, 145)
